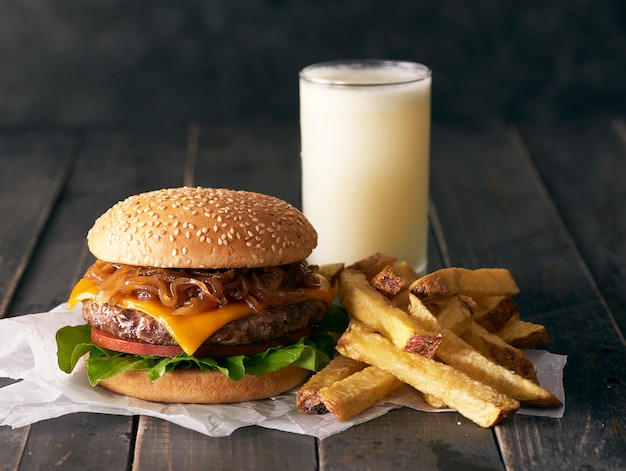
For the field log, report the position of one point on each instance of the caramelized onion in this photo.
(192, 291)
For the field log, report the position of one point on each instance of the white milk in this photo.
(365, 159)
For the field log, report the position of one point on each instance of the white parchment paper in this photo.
(28, 354)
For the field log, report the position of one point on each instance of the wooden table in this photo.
(546, 201)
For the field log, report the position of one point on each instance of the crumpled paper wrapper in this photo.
(28, 354)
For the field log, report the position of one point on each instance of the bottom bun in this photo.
(196, 387)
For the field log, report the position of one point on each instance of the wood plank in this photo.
(535, 244)
(111, 166)
(256, 158)
(249, 448)
(34, 169)
(225, 158)
(13, 440)
(584, 167)
(260, 157)
(403, 437)
(79, 441)
(512, 222)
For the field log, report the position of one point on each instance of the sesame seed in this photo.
(248, 217)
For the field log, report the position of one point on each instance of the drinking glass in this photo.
(365, 145)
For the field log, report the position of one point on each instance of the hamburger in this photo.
(200, 295)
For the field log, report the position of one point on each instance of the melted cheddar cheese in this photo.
(188, 331)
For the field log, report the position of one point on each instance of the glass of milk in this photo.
(365, 144)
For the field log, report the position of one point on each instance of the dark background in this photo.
(85, 63)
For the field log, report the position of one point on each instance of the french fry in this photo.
(447, 334)
(434, 401)
(492, 312)
(479, 282)
(454, 313)
(373, 264)
(401, 300)
(486, 304)
(523, 334)
(308, 399)
(423, 345)
(366, 304)
(331, 272)
(475, 400)
(388, 282)
(497, 350)
(456, 352)
(358, 392)
(406, 271)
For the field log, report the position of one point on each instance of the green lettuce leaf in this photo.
(73, 342)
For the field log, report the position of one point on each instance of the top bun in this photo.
(202, 228)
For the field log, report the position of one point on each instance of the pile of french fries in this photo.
(454, 335)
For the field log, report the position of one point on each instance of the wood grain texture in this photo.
(263, 157)
(511, 221)
(408, 439)
(584, 169)
(111, 166)
(275, 166)
(162, 445)
(522, 198)
(13, 440)
(79, 441)
(34, 170)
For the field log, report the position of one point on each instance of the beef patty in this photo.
(268, 324)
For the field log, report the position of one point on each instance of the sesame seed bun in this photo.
(202, 228)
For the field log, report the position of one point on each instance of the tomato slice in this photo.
(111, 342)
